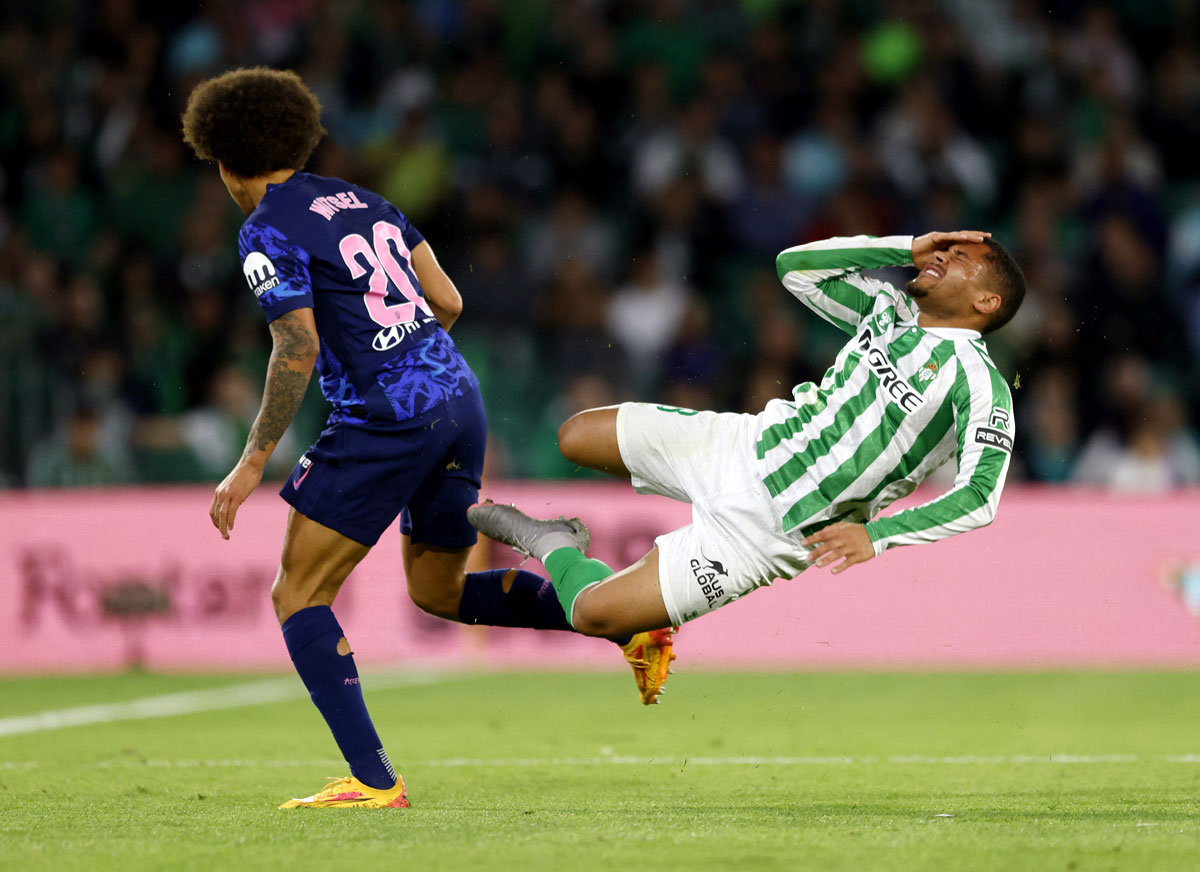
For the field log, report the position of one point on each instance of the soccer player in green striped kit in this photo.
(802, 483)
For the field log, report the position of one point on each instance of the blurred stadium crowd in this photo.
(608, 183)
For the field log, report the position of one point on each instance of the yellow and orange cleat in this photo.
(650, 654)
(352, 793)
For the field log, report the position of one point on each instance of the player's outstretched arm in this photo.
(440, 292)
(984, 426)
(293, 354)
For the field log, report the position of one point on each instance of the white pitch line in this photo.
(621, 760)
(899, 760)
(189, 702)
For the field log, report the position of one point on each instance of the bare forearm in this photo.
(290, 368)
(443, 298)
(446, 317)
(282, 396)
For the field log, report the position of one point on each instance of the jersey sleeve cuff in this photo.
(289, 304)
(878, 542)
(412, 237)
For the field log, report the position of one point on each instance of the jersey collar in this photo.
(946, 332)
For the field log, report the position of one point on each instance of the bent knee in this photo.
(572, 438)
(590, 621)
(438, 597)
(288, 598)
(590, 439)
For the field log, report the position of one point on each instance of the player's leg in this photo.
(438, 583)
(599, 601)
(626, 605)
(438, 537)
(315, 562)
(699, 457)
(623, 603)
(589, 438)
(661, 449)
(435, 576)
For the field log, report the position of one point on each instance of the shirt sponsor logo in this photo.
(711, 576)
(260, 273)
(897, 388)
(994, 439)
(389, 337)
(1000, 419)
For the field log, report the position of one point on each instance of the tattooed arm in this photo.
(294, 335)
(294, 351)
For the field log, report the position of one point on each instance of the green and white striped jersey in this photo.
(898, 401)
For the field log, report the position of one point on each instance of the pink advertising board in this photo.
(98, 580)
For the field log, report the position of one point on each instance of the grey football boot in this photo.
(530, 537)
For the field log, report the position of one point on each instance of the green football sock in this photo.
(571, 571)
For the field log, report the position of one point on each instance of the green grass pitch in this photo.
(773, 771)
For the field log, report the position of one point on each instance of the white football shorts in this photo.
(735, 542)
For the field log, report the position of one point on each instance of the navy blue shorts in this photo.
(356, 478)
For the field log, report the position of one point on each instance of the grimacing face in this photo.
(951, 281)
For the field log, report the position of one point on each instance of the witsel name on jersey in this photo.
(260, 273)
(898, 389)
(329, 206)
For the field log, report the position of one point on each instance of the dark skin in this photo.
(949, 290)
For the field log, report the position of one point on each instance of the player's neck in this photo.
(925, 320)
(248, 192)
(256, 188)
(929, 320)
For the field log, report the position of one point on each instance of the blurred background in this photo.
(608, 184)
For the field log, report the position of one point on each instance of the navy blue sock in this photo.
(313, 636)
(529, 602)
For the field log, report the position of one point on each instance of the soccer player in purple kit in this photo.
(351, 288)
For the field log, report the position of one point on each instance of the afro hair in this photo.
(254, 121)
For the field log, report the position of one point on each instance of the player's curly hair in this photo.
(1007, 280)
(255, 121)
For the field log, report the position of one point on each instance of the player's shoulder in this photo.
(887, 298)
(980, 370)
(260, 234)
(885, 294)
(306, 201)
(344, 192)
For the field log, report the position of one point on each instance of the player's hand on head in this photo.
(939, 240)
(231, 493)
(837, 541)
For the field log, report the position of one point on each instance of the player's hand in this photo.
(843, 539)
(925, 246)
(231, 493)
